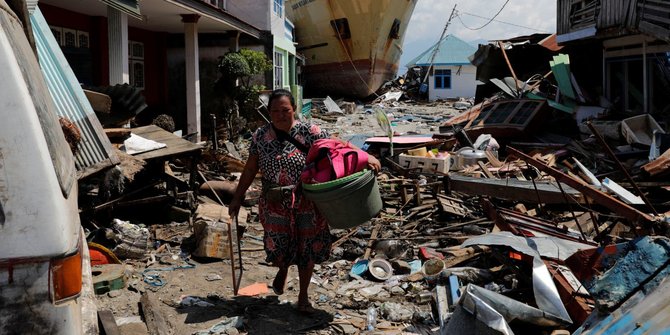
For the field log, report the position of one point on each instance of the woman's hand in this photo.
(234, 207)
(374, 164)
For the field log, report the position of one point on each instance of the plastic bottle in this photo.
(372, 318)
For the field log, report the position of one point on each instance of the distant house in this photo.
(451, 74)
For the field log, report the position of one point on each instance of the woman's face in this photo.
(282, 113)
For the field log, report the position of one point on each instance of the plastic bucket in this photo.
(380, 269)
(432, 269)
(348, 204)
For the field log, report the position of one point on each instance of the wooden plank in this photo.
(100, 103)
(654, 30)
(155, 321)
(513, 189)
(107, 323)
(485, 170)
(175, 144)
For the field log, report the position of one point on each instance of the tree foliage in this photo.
(238, 93)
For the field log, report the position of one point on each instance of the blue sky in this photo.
(430, 16)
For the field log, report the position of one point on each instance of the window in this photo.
(58, 34)
(288, 30)
(70, 38)
(136, 64)
(341, 28)
(442, 78)
(221, 4)
(82, 39)
(278, 7)
(279, 69)
(395, 30)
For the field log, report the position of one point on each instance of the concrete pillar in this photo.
(234, 41)
(192, 59)
(117, 25)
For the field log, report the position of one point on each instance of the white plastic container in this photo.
(640, 129)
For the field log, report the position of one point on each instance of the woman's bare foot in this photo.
(305, 307)
(279, 282)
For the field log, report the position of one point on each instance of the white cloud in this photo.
(430, 16)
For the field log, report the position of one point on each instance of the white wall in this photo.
(463, 84)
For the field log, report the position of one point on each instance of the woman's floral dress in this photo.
(295, 231)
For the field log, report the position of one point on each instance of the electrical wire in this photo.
(498, 21)
(490, 20)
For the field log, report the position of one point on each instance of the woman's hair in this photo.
(278, 93)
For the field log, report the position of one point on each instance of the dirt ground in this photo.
(211, 283)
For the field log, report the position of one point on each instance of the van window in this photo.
(60, 153)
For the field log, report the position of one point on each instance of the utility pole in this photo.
(437, 46)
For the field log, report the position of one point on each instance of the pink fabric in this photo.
(345, 161)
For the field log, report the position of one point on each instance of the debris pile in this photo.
(532, 211)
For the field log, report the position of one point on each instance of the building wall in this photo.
(254, 12)
(92, 66)
(284, 45)
(463, 84)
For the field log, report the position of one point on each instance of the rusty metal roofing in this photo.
(95, 151)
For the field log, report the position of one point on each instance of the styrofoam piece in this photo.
(621, 192)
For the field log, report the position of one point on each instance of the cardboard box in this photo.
(425, 164)
(211, 231)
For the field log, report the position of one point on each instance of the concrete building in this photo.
(154, 45)
(270, 16)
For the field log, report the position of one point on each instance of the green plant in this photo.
(237, 91)
(233, 66)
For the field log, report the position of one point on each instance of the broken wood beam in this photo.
(511, 69)
(101, 103)
(107, 323)
(659, 165)
(513, 189)
(155, 321)
(615, 205)
(373, 236)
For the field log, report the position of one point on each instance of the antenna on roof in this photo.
(437, 47)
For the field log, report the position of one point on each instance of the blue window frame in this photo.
(442, 78)
(278, 7)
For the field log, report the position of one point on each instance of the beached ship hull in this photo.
(351, 47)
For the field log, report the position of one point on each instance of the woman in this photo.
(295, 231)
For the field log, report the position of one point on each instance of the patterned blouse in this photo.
(280, 162)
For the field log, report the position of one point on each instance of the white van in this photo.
(43, 253)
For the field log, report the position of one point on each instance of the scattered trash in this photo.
(223, 326)
(254, 289)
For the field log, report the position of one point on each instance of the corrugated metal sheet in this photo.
(95, 151)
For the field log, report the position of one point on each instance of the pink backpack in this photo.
(330, 159)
